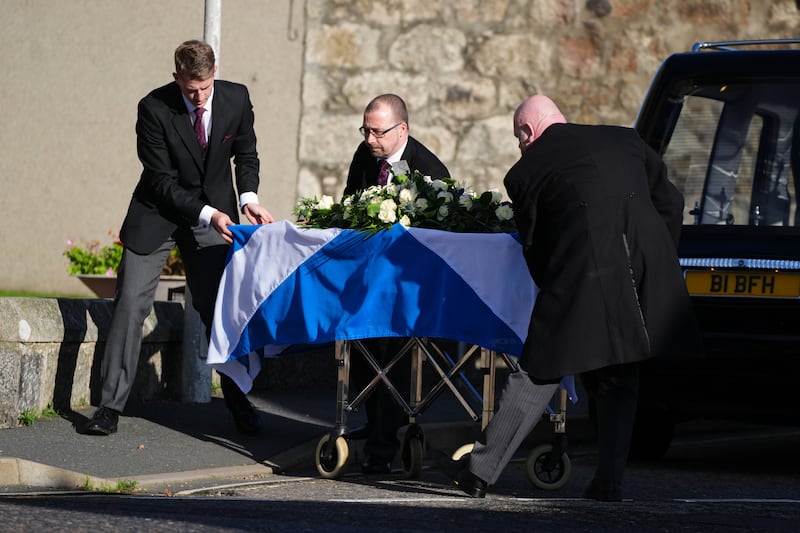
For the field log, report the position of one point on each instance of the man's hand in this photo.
(257, 214)
(220, 222)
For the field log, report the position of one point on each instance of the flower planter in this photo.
(103, 286)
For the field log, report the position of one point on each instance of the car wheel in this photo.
(652, 433)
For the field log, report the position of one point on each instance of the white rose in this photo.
(448, 196)
(442, 213)
(504, 212)
(407, 196)
(388, 212)
(421, 203)
(465, 201)
(390, 189)
(405, 221)
(439, 185)
(326, 202)
(497, 196)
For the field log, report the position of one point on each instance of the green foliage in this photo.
(411, 200)
(27, 417)
(123, 486)
(49, 412)
(92, 257)
(127, 485)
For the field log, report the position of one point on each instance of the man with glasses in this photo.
(387, 150)
(387, 141)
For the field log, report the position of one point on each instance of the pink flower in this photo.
(110, 272)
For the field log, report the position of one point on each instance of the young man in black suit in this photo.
(188, 131)
(387, 144)
(599, 224)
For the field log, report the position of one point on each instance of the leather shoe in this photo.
(458, 471)
(244, 414)
(103, 422)
(376, 465)
(604, 491)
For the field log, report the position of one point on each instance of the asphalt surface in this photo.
(168, 447)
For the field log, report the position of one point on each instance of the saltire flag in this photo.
(284, 285)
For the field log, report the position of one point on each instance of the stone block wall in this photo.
(464, 65)
(51, 350)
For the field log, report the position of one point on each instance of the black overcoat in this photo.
(599, 224)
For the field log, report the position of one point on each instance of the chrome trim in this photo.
(731, 262)
(733, 45)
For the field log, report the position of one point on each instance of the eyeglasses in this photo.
(378, 134)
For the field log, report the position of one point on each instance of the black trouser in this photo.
(615, 391)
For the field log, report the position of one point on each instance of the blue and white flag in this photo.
(285, 285)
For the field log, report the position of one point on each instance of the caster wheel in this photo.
(461, 451)
(547, 478)
(412, 457)
(331, 457)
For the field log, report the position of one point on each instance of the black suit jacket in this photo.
(599, 224)
(364, 167)
(177, 178)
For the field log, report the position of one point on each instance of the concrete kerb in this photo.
(16, 472)
(22, 473)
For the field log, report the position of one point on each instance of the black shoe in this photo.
(244, 414)
(103, 422)
(603, 491)
(458, 471)
(376, 465)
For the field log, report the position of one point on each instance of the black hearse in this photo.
(726, 118)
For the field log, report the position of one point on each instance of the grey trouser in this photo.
(520, 407)
(203, 252)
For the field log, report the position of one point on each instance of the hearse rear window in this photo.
(734, 156)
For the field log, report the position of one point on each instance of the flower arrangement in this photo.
(412, 200)
(97, 259)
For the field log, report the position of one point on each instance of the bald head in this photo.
(534, 115)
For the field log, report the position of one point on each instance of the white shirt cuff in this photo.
(247, 198)
(205, 216)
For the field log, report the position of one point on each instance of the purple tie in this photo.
(383, 172)
(199, 130)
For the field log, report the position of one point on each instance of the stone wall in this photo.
(51, 350)
(463, 66)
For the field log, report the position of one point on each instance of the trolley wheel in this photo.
(412, 457)
(332, 457)
(547, 478)
(461, 451)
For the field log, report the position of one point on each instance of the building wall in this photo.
(74, 71)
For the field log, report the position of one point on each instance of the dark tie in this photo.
(383, 172)
(199, 130)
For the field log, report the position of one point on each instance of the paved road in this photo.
(746, 480)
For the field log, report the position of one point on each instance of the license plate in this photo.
(733, 283)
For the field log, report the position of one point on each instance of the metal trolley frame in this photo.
(548, 465)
